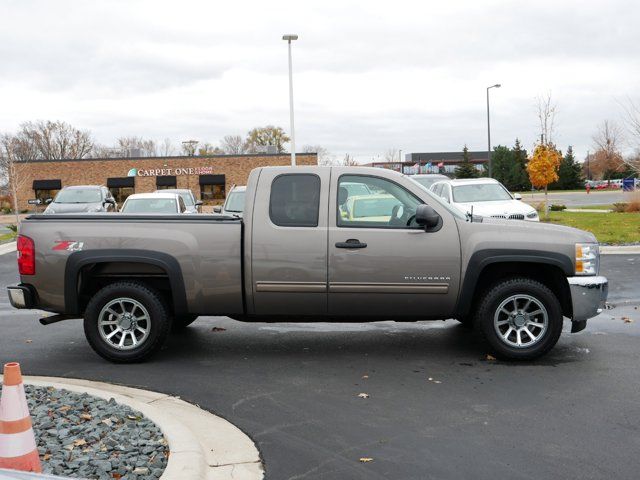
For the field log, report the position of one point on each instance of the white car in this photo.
(160, 203)
(488, 197)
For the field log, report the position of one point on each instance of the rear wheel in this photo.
(520, 318)
(126, 322)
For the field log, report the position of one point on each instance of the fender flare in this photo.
(483, 258)
(78, 260)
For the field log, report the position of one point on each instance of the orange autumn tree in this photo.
(543, 168)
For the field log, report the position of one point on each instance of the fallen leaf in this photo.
(365, 377)
(65, 408)
(363, 395)
(626, 320)
(28, 341)
(366, 459)
(218, 329)
(80, 442)
(69, 447)
(46, 456)
(107, 422)
(132, 417)
(85, 416)
(490, 358)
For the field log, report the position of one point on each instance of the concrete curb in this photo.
(620, 249)
(202, 445)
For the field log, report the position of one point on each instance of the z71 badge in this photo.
(69, 245)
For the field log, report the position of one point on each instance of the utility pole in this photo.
(497, 85)
(289, 38)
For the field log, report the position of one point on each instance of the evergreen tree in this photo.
(569, 173)
(502, 161)
(466, 169)
(518, 179)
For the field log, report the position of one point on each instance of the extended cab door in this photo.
(381, 263)
(289, 241)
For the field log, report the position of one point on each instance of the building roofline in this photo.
(173, 157)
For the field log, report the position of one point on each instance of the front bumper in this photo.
(588, 296)
(21, 296)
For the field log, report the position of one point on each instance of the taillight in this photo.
(26, 256)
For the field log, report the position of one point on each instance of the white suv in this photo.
(487, 197)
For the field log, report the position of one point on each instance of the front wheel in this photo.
(520, 318)
(126, 322)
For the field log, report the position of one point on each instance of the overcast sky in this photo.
(368, 76)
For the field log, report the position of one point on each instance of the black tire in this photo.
(489, 304)
(159, 321)
(181, 322)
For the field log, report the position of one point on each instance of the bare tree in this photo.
(392, 155)
(348, 161)
(166, 148)
(137, 147)
(209, 149)
(325, 158)
(189, 147)
(55, 140)
(546, 117)
(232, 145)
(607, 158)
(11, 168)
(632, 122)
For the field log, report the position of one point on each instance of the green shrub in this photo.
(13, 228)
(557, 207)
(620, 207)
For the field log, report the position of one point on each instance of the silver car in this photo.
(187, 196)
(234, 204)
(82, 199)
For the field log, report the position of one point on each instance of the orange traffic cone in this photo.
(18, 449)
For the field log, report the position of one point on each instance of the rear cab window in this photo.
(295, 200)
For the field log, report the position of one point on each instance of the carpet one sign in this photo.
(161, 172)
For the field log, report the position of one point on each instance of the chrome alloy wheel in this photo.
(521, 321)
(124, 323)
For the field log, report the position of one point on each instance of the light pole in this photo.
(497, 85)
(289, 38)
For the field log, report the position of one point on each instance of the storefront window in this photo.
(165, 182)
(44, 195)
(211, 193)
(121, 193)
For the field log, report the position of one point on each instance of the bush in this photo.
(557, 207)
(13, 228)
(26, 210)
(620, 207)
(634, 202)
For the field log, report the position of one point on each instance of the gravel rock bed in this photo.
(82, 436)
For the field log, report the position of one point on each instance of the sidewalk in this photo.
(203, 446)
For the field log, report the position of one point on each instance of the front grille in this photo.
(516, 216)
(498, 216)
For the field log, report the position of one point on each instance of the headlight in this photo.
(532, 215)
(587, 259)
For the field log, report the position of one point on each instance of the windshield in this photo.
(235, 202)
(78, 195)
(188, 200)
(480, 192)
(428, 181)
(433, 198)
(150, 205)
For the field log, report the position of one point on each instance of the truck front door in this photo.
(381, 263)
(289, 242)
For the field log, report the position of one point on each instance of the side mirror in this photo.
(110, 201)
(217, 209)
(199, 203)
(517, 196)
(427, 217)
(48, 201)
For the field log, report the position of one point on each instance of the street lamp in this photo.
(289, 38)
(497, 85)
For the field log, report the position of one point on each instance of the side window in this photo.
(445, 193)
(295, 200)
(437, 188)
(380, 203)
(181, 205)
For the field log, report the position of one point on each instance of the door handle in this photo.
(351, 243)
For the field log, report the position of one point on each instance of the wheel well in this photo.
(549, 275)
(95, 276)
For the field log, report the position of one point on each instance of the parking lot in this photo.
(437, 408)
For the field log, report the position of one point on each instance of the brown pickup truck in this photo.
(315, 244)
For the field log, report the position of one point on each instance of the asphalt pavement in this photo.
(436, 408)
(578, 199)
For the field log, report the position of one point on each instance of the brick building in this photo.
(434, 162)
(208, 177)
